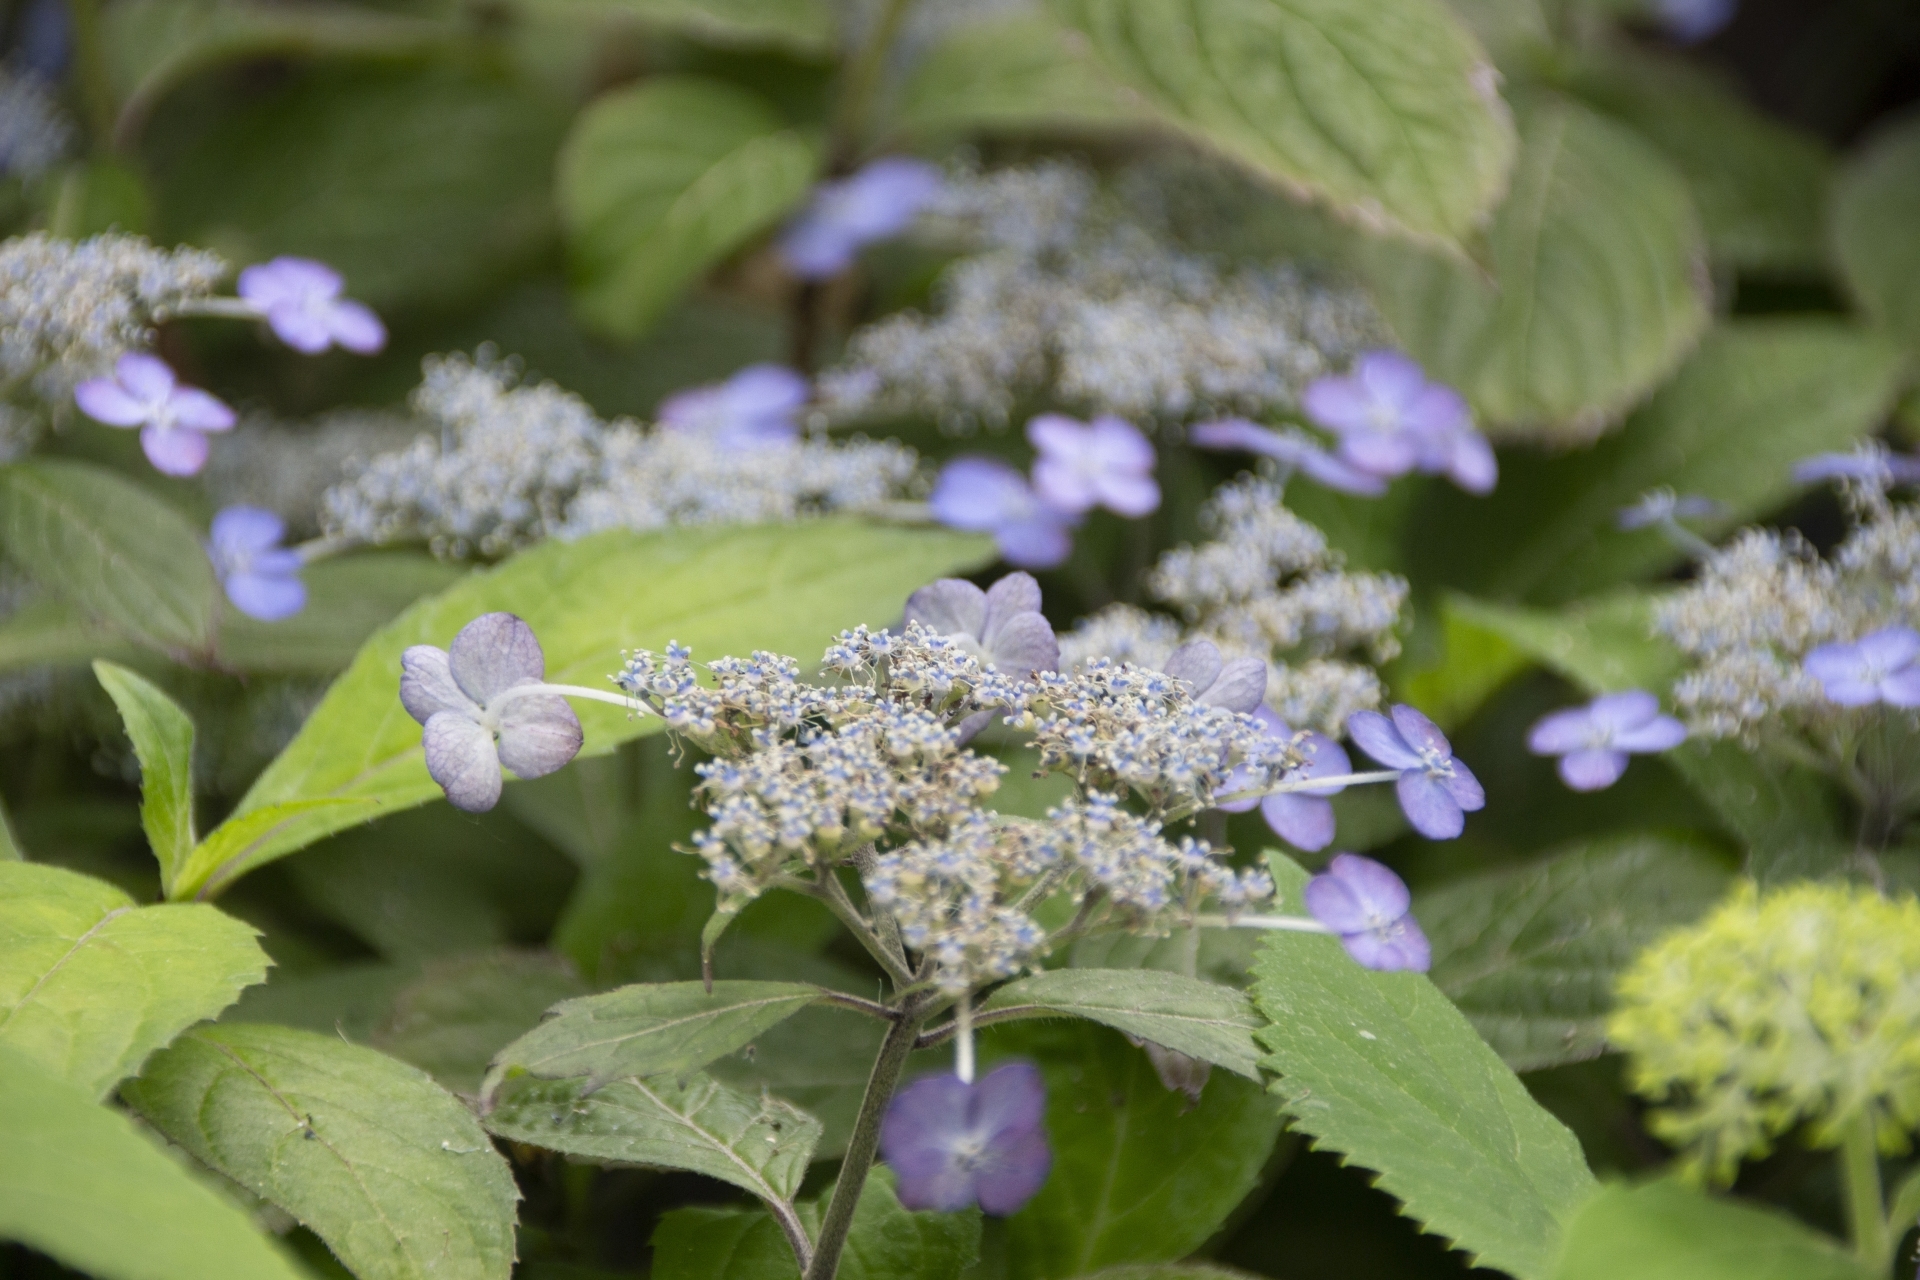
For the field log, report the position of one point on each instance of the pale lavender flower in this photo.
(757, 406)
(1691, 21)
(480, 713)
(1593, 741)
(1871, 464)
(1436, 788)
(881, 200)
(260, 576)
(953, 1145)
(1880, 667)
(1304, 819)
(1002, 626)
(1664, 506)
(301, 301)
(1391, 420)
(986, 495)
(1369, 907)
(1105, 463)
(1238, 685)
(1291, 449)
(173, 420)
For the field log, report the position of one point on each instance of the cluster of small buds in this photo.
(34, 132)
(950, 897)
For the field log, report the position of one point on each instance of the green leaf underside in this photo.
(1020, 73)
(1200, 1019)
(648, 1030)
(392, 1172)
(1386, 110)
(758, 1143)
(788, 588)
(451, 1020)
(1383, 1069)
(1531, 954)
(1666, 1231)
(660, 181)
(83, 1185)
(162, 737)
(119, 553)
(1873, 231)
(90, 984)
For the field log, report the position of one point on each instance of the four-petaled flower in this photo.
(988, 496)
(260, 576)
(1436, 788)
(1291, 449)
(954, 1145)
(879, 201)
(1593, 741)
(173, 420)
(1238, 685)
(1002, 626)
(1304, 819)
(757, 406)
(301, 301)
(1391, 420)
(1368, 907)
(1880, 667)
(479, 702)
(1105, 463)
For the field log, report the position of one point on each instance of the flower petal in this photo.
(1023, 644)
(1471, 463)
(1132, 496)
(146, 377)
(949, 607)
(1013, 593)
(1009, 1101)
(244, 528)
(1464, 787)
(461, 758)
(1303, 821)
(1063, 485)
(1559, 732)
(195, 410)
(1241, 686)
(1662, 733)
(1429, 806)
(1015, 1174)
(1339, 404)
(924, 1122)
(427, 686)
(269, 597)
(1325, 759)
(539, 733)
(1198, 662)
(355, 327)
(1401, 945)
(300, 326)
(981, 494)
(105, 400)
(1890, 647)
(1035, 543)
(1592, 769)
(1902, 688)
(174, 451)
(1374, 734)
(493, 653)
(1418, 732)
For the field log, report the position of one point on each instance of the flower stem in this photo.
(90, 68)
(865, 1140)
(863, 82)
(1866, 1204)
(963, 1038)
(1292, 924)
(1309, 784)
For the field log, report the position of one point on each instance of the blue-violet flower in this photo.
(1292, 449)
(988, 496)
(1391, 420)
(260, 576)
(1105, 463)
(1879, 667)
(757, 406)
(1304, 819)
(1436, 788)
(173, 420)
(953, 1144)
(1369, 907)
(1593, 741)
(301, 301)
(879, 201)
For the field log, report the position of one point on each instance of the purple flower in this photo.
(1691, 21)
(1436, 788)
(755, 407)
(479, 712)
(953, 1144)
(1105, 463)
(1304, 819)
(879, 201)
(1002, 626)
(1291, 449)
(1593, 741)
(1391, 420)
(986, 495)
(301, 301)
(173, 420)
(1238, 685)
(1664, 506)
(1368, 907)
(1880, 667)
(260, 576)
(1872, 464)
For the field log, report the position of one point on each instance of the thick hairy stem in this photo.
(866, 1138)
(830, 891)
(1866, 1203)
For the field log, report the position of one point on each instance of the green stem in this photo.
(90, 66)
(863, 81)
(1866, 1204)
(865, 1140)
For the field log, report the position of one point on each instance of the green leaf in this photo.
(1169, 1271)
(787, 588)
(1873, 229)
(1757, 396)
(1200, 1019)
(452, 1019)
(1140, 1173)
(1903, 1212)
(91, 984)
(162, 737)
(55, 631)
(348, 599)
(390, 1170)
(1386, 111)
(1604, 645)
(1473, 662)
(661, 181)
(1382, 1068)
(1667, 1231)
(819, 1060)
(83, 1185)
(649, 1029)
(1531, 953)
(9, 843)
(757, 1142)
(1017, 74)
(1598, 285)
(119, 553)
(803, 26)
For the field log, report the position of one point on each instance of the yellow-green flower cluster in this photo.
(1798, 1006)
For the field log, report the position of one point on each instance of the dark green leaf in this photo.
(1200, 1019)
(804, 26)
(455, 1016)
(162, 736)
(1603, 645)
(1017, 74)
(1666, 1231)
(391, 1171)
(351, 1001)
(1873, 228)
(54, 630)
(819, 1060)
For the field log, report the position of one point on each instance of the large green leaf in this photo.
(1140, 1172)
(452, 1019)
(83, 1185)
(755, 1141)
(1016, 74)
(1667, 1231)
(787, 588)
(1200, 1019)
(162, 736)
(1598, 286)
(1873, 228)
(1604, 645)
(390, 1170)
(1385, 110)
(91, 984)
(1382, 1068)
(119, 553)
(1756, 396)
(348, 599)
(55, 631)
(660, 181)
(819, 1060)
(1531, 954)
(804, 26)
